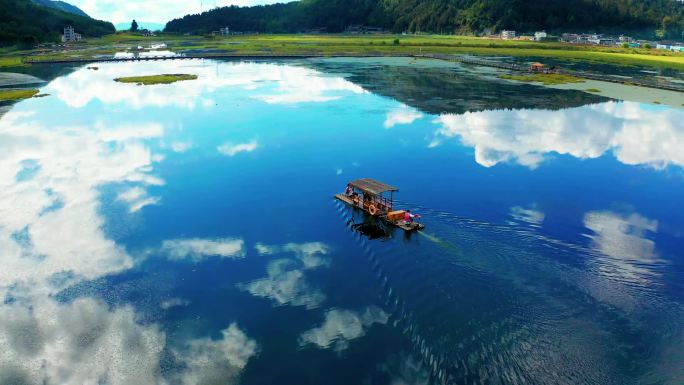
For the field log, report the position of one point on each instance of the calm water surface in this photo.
(186, 233)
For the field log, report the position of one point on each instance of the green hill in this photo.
(445, 16)
(62, 6)
(23, 22)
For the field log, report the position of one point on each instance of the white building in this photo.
(540, 35)
(671, 46)
(225, 31)
(506, 35)
(71, 35)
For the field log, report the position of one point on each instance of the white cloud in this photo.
(220, 361)
(231, 149)
(77, 343)
(402, 115)
(636, 134)
(341, 326)
(625, 243)
(196, 249)
(286, 283)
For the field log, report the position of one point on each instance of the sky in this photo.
(153, 11)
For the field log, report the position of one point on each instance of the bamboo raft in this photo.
(368, 195)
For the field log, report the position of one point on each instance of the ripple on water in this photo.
(493, 303)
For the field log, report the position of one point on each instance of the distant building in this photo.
(363, 29)
(71, 35)
(540, 35)
(507, 35)
(569, 37)
(147, 32)
(671, 46)
(224, 31)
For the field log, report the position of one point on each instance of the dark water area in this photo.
(187, 233)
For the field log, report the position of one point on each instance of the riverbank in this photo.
(349, 45)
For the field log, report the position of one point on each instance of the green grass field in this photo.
(156, 79)
(362, 45)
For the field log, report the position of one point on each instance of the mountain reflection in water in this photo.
(186, 233)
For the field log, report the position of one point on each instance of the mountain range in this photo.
(25, 22)
(445, 16)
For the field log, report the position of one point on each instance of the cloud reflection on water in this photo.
(636, 134)
(59, 202)
(624, 240)
(83, 342)
(286, 283)
(402, 115)
(272, 83)
(221, 361)
(341, 326)
(197, 249)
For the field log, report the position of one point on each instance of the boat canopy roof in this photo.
(372, 186)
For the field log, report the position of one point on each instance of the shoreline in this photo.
(306, 46)
(454, 58)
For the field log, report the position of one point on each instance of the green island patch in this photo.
(9, 95)
(156, 79)
(546, 79)
(594, 90)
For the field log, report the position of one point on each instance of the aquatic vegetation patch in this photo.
(594, 90)
(156, 79)
(9, 95)
(11, 61)
(546, 79)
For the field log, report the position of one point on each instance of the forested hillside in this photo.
(446, 16)
(62, 6)
(23, 22)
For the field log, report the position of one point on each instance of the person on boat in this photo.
(408, 217)
(348, 191)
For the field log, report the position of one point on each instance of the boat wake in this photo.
(489, 302)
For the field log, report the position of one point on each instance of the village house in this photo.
(540, 35)
(670, 46)
(507, 35)
(71, 35)
(625, 39)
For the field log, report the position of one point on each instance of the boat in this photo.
(377, 199)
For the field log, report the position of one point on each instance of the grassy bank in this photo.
(10, 95)
(364, 45)
(546, 79)
(156, 79)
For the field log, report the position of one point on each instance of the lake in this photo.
(187, 233)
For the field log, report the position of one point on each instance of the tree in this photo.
(134, 26)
